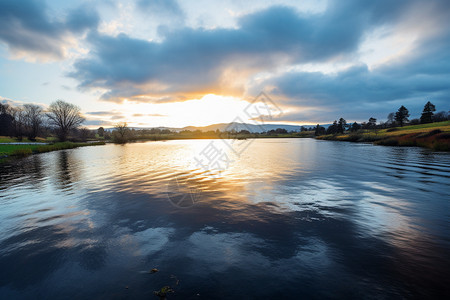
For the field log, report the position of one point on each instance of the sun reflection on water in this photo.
(305, 210)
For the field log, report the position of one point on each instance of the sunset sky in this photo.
(198, 62)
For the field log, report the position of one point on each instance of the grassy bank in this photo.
(434, 136)
(24, 150)
(6, 139)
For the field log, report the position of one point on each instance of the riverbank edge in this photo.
(434, 139)
(22, 150)
(437, 140)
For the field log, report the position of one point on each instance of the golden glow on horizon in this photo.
(209, 109)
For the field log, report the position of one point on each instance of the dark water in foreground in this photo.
(288, 219)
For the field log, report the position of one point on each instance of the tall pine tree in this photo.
(401, 116)
(427, 114)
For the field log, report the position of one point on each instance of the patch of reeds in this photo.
(21, 152)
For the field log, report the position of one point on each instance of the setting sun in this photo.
(210, 109)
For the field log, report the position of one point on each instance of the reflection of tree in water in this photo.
(36, 171)
(67, 169)
(399, 154)
(26, 170)
(64, 173)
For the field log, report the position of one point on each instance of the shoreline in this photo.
(18, 150)
(436, 138)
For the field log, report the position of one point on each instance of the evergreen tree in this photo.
(6, 120)
(319, 130)
(401, 116)
(342, 125)
(372, 123)
(332, 129)
(355, 127)
(427, 114)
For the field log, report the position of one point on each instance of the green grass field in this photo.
(24, 150)
(6, 139)
(443, 126)
(11, 149)
(435, 136)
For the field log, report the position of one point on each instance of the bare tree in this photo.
(441, 116)
(84, 134)
(101, 131)
(33, 120)
(120, 133)
(64, 116)
(18, 114)
(391, 119)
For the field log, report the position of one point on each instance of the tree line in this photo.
(122, 133)
(61, 119)
(394, 119)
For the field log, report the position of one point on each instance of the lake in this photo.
(252, 219)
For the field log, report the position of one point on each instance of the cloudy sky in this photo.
(198, 62)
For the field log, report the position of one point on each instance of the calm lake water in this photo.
(271, 218)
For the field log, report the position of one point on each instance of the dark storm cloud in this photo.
(358, 93)
(82, 18)
(26, 26)
(189, 62)
(199, 60)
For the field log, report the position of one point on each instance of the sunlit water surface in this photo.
(270, 218)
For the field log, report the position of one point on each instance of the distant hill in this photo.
(236, 126)
(245, 126)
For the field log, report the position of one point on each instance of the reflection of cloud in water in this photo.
(312, 256)
(152, 240)
(220, 251)
(286, 217)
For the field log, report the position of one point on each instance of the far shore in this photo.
(435, 136)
